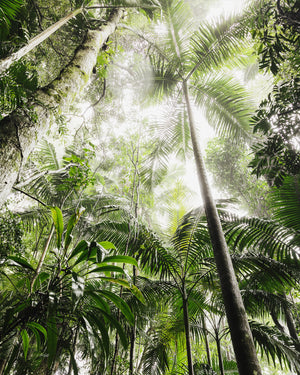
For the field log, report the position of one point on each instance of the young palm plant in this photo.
(74, 295)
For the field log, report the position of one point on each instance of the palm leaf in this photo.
(275, 345)
(171, 136)
(226, 104)
(265, 236)
(286, 204)
(217, 42)
(8, 11)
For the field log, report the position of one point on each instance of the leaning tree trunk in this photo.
(34, 42)
(20, 131)
(241, 335)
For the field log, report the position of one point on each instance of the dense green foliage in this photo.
(104, 266)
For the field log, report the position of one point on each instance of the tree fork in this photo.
(241, 335)
(15, 146)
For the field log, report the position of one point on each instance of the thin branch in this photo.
(30, 196)
(99, 6)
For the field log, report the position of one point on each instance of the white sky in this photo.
(226, 7)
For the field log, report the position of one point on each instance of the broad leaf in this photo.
(120, 303)
(20, 261)
(58, 224)
(120, 259)
(25, 340)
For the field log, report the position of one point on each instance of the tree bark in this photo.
(187, 331)
(21, 130)
(241, 335)
(34, 42)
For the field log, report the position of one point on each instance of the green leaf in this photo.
(99, 302)
(82, 246)
(52, 335)
(58, 224)
(137, 293)
(38, 327)
(25, 340)
(104, 268)
(121, 282)
(120, 303)
(120, 259)
(43, 276)
(93, 319)
(107, 245)
(22, 262)
(71, 224)
(119, 329)
(37, 337)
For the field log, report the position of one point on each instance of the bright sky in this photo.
(226, 7)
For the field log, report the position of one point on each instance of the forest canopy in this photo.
(149, 187)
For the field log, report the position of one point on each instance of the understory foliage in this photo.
(104, 267)
(276, 33)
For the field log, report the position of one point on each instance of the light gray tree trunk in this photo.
(22, 129)
(241, 335)
(34, 42)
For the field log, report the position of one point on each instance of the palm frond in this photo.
(261, 303)
(165, 76)
(178, 17)
(286, 204)
(226, 104)
(275, 345)
(171, 136)
(189, 247)
(263, 236)
(215, 43)
(49, 156)
(265, 273)
(8, 11)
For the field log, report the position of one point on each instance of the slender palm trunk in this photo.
(132, 333)
(206, 341)
(187, 331)
(220, 358)
(241, 335)
(20, 131)
(34, 42)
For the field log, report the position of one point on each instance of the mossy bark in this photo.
(8, 61)
(20, 131)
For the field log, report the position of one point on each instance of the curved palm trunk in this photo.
(34, 42)
(187, 332)
(241, 335)
(20, 131)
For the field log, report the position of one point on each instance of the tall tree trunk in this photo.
(20, 131)
(187, 331)
(34, 42)
(241, 335)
